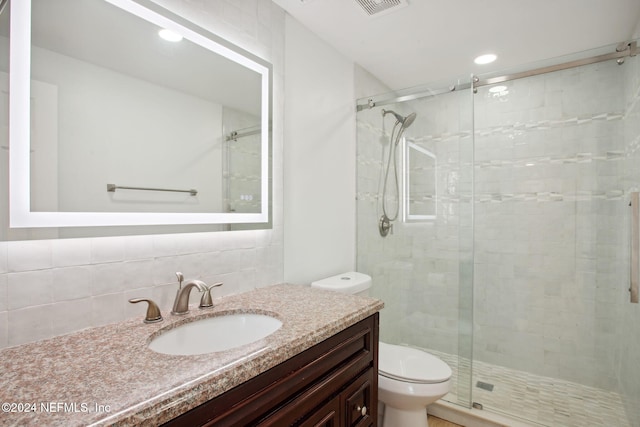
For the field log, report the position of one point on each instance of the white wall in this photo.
(51, 287)
(319, 158)
(137, 146)
(366, 84)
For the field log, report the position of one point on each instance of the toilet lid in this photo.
(412, 365)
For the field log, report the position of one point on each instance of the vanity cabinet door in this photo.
(358, 401)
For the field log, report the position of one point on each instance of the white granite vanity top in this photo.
(107, 375)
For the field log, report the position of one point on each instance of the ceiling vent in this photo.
(381, 7)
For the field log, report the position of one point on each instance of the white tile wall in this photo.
(52, 287)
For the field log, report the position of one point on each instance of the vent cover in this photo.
(381, 7)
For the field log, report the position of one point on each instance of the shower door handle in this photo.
(635, 246)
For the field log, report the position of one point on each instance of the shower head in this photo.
(404, 121)
(408, 120)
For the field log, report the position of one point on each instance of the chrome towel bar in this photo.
(112, 189)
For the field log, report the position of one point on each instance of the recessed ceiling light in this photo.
(169, 35)
(485, 59)
(497, 89)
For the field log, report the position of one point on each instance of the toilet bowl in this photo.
(409, 379)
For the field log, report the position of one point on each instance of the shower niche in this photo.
(420, 187)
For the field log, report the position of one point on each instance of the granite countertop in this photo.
(107, 376)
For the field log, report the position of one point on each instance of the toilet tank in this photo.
(349, 283)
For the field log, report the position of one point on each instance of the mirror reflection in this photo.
(127, 120)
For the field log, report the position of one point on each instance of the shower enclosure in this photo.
(511, 257)
(241, 161)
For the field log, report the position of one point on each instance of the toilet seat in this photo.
(411, 365)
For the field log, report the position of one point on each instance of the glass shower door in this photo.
(551, 258)
(422, 269)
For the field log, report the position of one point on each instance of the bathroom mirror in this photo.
(112, 125)
(419, 184)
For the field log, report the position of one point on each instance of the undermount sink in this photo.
(215, 334)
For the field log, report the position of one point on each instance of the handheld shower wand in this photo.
(402, 123)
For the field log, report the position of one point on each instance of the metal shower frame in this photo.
(623, 50)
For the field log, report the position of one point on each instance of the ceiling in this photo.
(433, 40)
(112, 38)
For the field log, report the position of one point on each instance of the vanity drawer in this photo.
(344, 396)
(327, 416)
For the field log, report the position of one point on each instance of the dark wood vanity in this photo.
(332, 384)
(319, 369)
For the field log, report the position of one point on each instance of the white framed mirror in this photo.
(112, 126)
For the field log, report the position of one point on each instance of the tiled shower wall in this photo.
(51, 287)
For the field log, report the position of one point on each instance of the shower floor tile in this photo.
(540, 400)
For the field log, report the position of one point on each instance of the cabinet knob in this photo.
(362, 410)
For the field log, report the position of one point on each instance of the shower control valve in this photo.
(385, 226)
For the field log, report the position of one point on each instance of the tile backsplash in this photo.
(72, 284)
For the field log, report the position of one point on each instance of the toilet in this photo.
(409, 379)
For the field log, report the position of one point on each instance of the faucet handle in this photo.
(180, 277)
(205, 301)
(153, 312)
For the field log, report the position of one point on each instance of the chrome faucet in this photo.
(181, 304)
